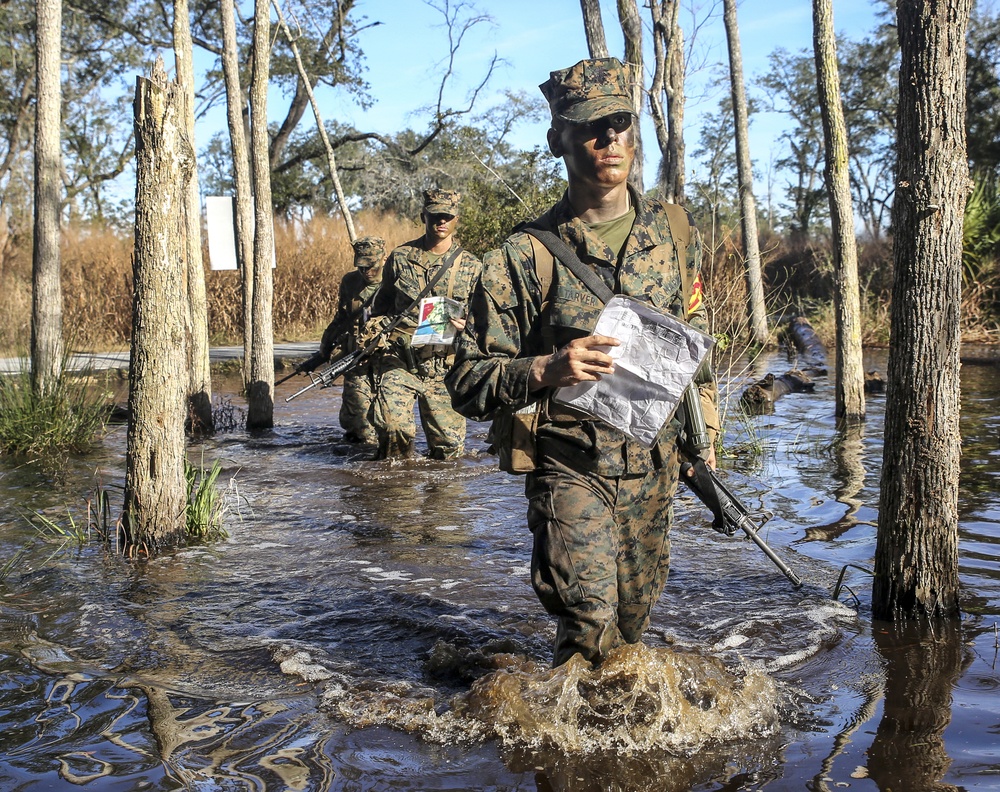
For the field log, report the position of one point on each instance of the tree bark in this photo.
(153, 516)
(593, 28)
(628, 17)
(243, 208)
(199, 371)
(850, 376)
(748, 208)
(668, 84)
(46, 294)
(916, 555)
(260, 390)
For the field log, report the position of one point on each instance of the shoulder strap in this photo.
(571, 261)
(680, 222)
(680, 225)
(544, 266)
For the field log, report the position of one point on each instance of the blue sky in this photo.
(532, 37)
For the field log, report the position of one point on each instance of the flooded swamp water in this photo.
(371, 626)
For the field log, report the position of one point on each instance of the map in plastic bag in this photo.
(435, 325)
(657, 359)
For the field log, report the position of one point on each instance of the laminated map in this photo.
(434, 326)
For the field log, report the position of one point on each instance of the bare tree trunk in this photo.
(260, 390)
(628, 16)
(243, 209)
(748, 208)
(593, 27)
(668, 84)
(916, 555)
(331, 159)
(199, 371)
(850, 376)
(46, 289)
(153, 516)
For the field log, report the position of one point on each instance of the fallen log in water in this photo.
(874, 382)
(759, 398)
(810, 352)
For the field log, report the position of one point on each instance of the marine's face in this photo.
(438, 227)
(597, 152)
(371, 274)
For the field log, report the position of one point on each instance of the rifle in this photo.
(306, 366)
(326, 376)
(730, 514)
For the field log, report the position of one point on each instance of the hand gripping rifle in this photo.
(305, 367)
(327, 375)
(730, 514)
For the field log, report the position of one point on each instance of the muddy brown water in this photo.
(371, 626)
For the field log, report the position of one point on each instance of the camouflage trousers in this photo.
(397, 389)
(355, 405)
(601, 553)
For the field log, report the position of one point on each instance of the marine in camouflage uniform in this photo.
(404, 374)
(357, 293)
(600, 505)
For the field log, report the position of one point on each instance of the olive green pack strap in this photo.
(680, 223)
(544, 265)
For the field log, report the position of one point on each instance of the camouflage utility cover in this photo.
(442, 202)
(369, 251)
(589, 90)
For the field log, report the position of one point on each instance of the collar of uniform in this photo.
(576, 234)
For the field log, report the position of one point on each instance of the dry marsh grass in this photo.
(312, 258)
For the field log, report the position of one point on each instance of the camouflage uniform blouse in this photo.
(408, 270)
(508, 327)
(353, 306)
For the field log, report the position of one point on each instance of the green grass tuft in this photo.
(67, 419)
(205, 506)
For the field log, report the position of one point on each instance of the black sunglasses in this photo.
(619, 122)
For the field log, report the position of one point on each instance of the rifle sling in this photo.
(567, 256)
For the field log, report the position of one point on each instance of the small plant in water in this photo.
(99, 519)
(11, 563)
(205, 506)
(68, 418)
(63, 534)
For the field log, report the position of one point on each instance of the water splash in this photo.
(639, 699)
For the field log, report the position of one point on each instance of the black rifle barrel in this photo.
(748, 527)
(726, 507)
(288, 376)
